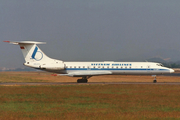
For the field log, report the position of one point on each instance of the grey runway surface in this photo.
(96, 83)
(92, 83)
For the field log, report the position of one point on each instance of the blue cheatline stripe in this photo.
(113, 69)
(34, 53)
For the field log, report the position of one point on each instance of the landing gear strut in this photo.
(83, 80)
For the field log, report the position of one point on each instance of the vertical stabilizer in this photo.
(35, 57)
(31, 52)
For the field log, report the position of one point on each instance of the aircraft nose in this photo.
(171, 70)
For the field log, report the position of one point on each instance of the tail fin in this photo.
(35, 57)
(31, 52)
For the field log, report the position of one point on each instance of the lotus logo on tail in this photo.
(37, 55)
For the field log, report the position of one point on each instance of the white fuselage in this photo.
(115, 68)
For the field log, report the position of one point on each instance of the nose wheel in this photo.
(154, 81)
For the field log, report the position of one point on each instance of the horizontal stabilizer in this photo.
(24, 42)
(87, 73)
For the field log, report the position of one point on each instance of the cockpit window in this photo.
(159, 64)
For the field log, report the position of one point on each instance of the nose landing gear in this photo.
(154, 81)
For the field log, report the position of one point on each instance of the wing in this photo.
(87, 73)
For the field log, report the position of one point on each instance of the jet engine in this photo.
(53, 66)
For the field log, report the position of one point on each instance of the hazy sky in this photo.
(92, 30)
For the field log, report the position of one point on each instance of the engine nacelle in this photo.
(53, 66)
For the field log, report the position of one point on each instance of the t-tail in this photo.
(35, 57)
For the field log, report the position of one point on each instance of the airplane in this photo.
(35, 58)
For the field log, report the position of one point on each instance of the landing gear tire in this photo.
(154, 81)
(82, 81)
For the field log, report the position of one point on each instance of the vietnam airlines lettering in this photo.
(102, 64)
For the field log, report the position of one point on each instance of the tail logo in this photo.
(37, 55)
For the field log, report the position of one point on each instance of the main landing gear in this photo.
(83, 80)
